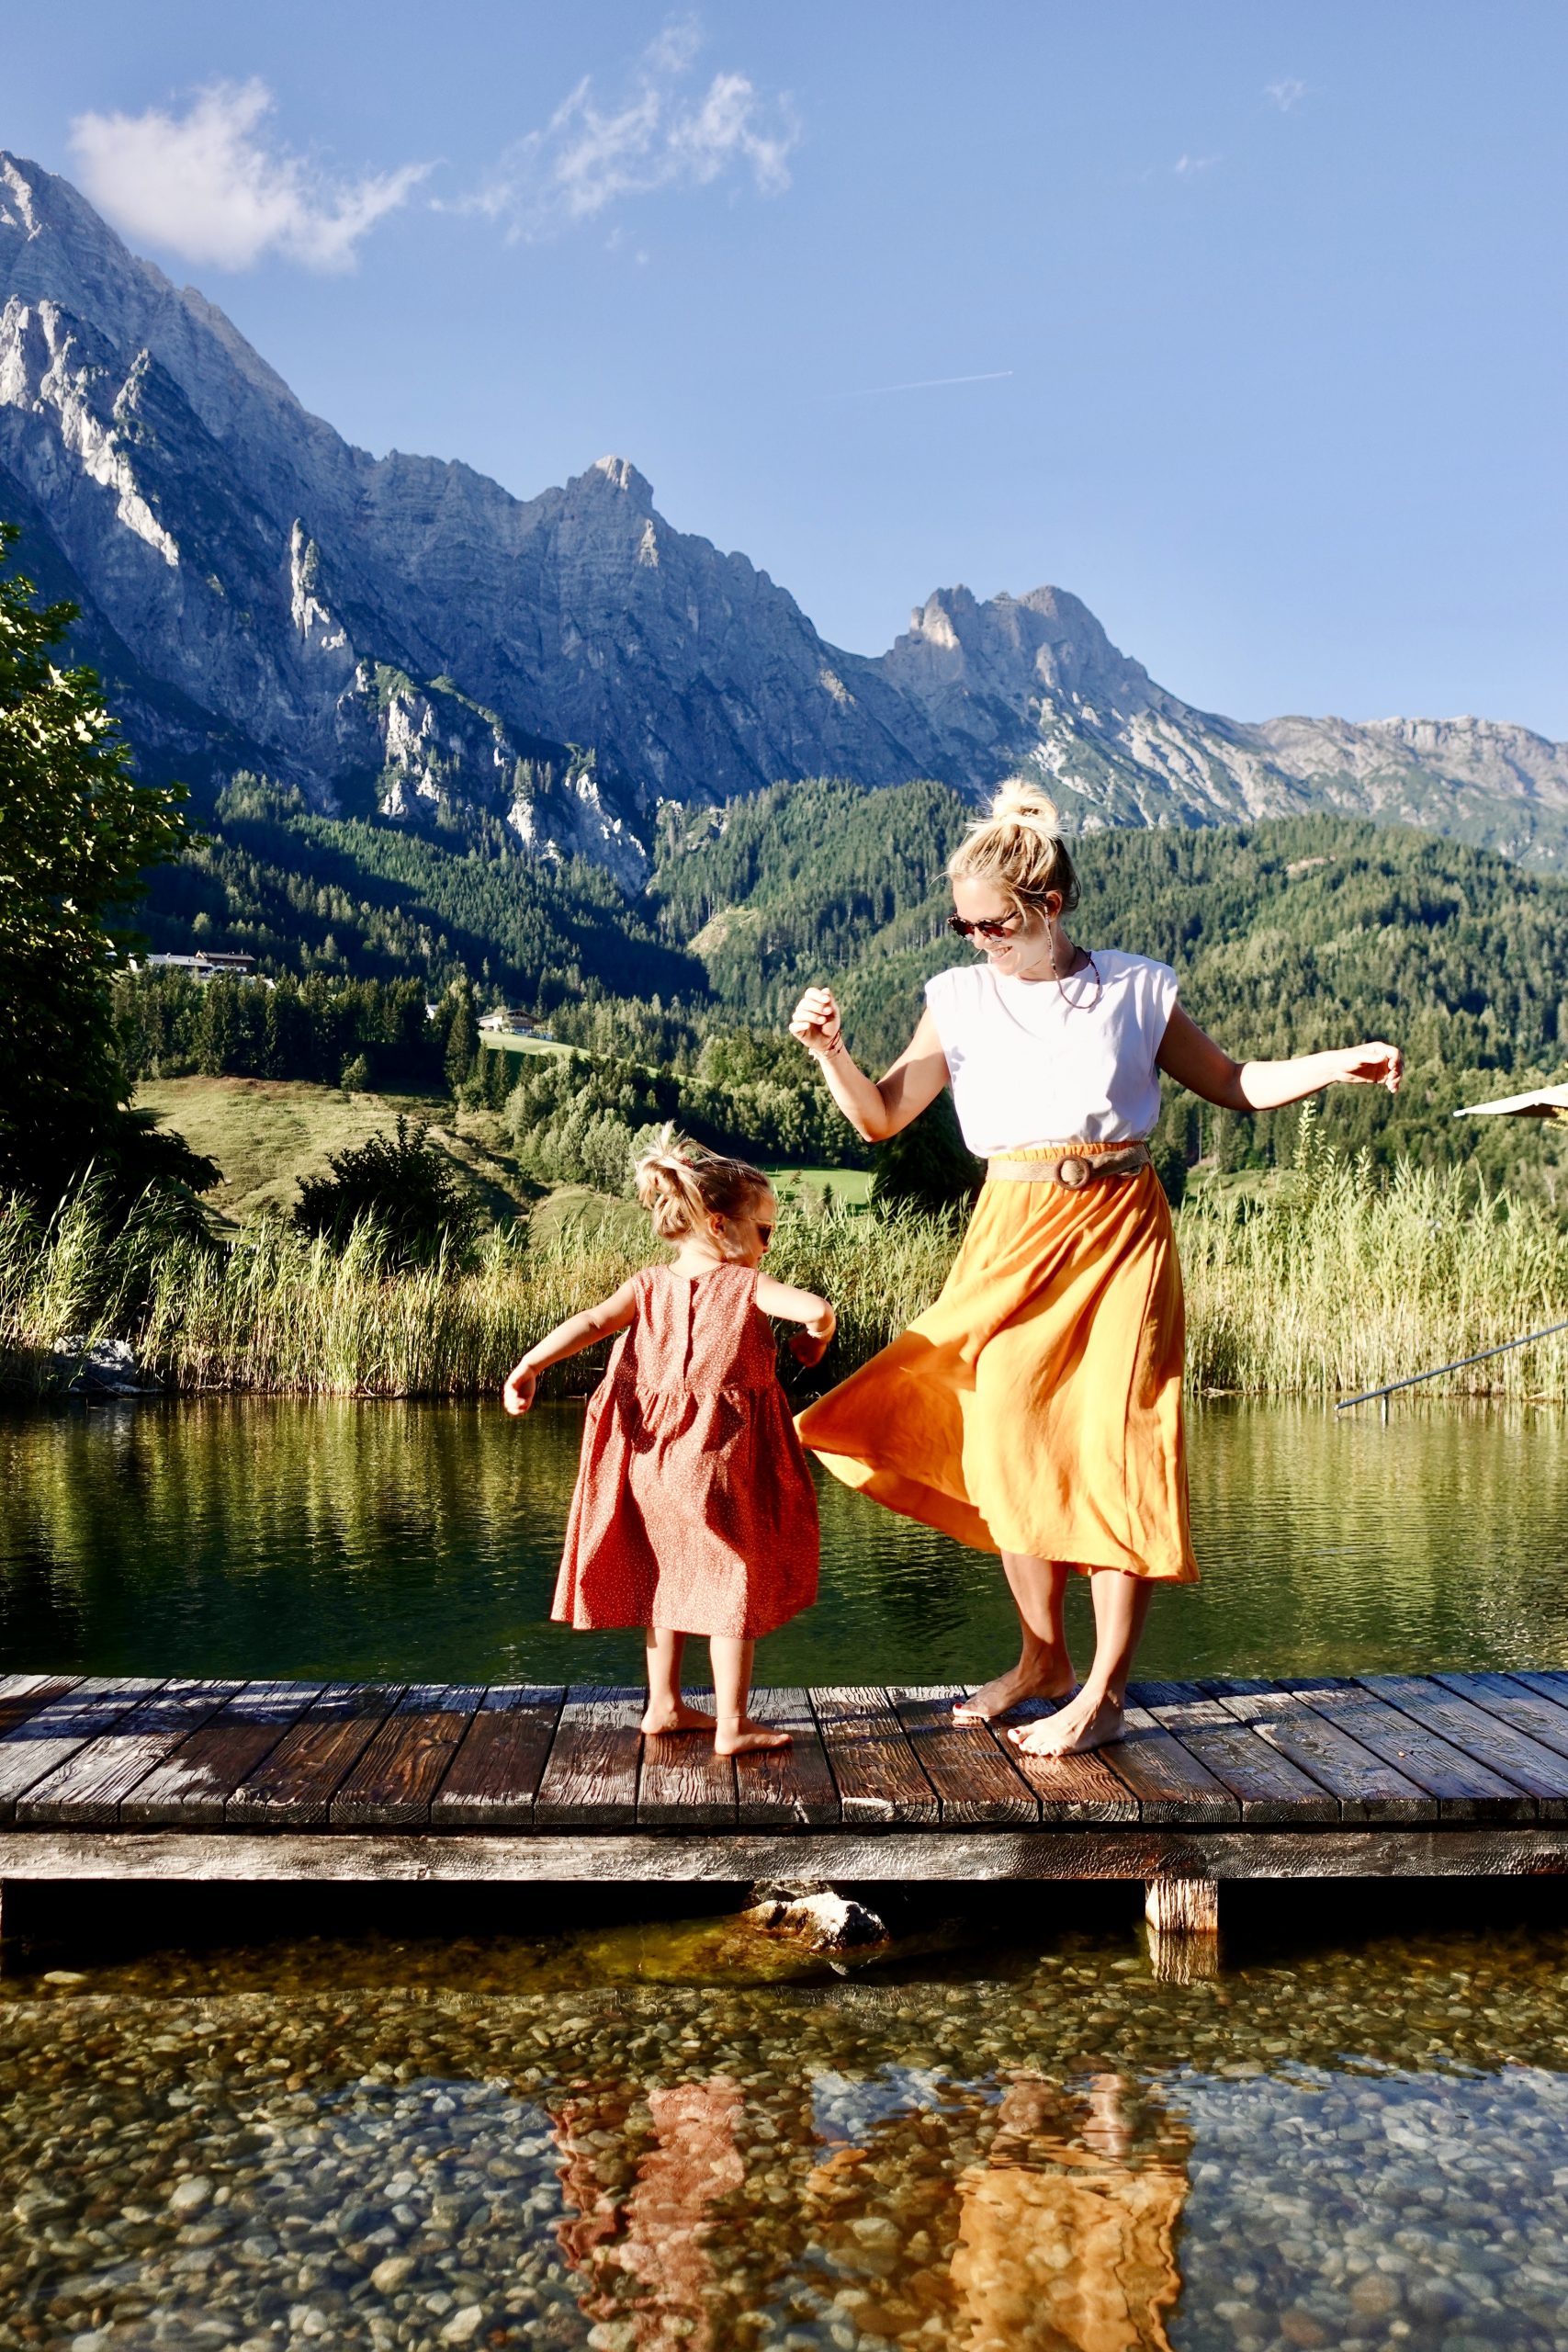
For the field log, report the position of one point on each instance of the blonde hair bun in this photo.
(1017, 846)
(1018, 800)
(681, 1184)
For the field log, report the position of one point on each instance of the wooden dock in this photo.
(1403, 1775)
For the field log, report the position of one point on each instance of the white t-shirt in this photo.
(1031, 1062)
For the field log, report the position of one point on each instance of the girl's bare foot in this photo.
(747, 1736)
(1051, 1678)
(662, 1719)
(1084, 1722)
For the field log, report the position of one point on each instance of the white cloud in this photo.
(204, 186)
(1186, 167)
(1286, 94)
(657, 134)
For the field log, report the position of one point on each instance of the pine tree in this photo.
(77, 833)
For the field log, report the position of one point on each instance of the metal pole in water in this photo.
(1438, 1370)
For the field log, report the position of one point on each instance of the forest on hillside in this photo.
(1287, 935)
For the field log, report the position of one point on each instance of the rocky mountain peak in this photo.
(618, 474)
(280, 600)
(1046, 647)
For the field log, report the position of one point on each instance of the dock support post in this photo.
(1183, 1917)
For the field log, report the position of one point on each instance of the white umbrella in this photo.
(1544, 1103)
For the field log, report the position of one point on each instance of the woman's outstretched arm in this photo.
(1195, 1060)
(875, 1107)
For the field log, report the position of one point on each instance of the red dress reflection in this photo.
(642, 2247)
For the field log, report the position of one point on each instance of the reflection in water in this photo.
(268, 2150)
(269, 1537)
(1062, 2241)
(374, 2147)
(641, 2251)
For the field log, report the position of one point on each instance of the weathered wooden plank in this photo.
(1120, 1851)
(589, 1781)
(878, 1776)
(49, 1735)
(778, 1786)
(1169, 1784)
(191, 1787)
(1534, 1769)
(496, 1772)
(1465, 1790)
(973, 1778)
(22, 1695)
(683, 1784)
(393, 1782)
(1266, 1784)
(1550, 1682)
(1068, 1788)
(293, 1786)
(1511, 1698)
(1367, 1787)
(86, 1791)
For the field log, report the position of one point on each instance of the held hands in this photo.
(816, 1023)
(518, 1393)
(1373, 1065)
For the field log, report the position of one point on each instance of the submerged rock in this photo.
(815, 1915)
(102, 1367)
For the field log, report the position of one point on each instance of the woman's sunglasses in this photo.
(996, 927)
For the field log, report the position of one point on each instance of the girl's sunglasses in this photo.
(998, 928)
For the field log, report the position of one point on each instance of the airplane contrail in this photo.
(927, 384)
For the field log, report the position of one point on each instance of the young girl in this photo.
(694, 1512)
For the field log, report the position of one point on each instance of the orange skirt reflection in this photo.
(1066, 2249)
(1036, 1406)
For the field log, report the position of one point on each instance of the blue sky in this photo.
(1263, 304)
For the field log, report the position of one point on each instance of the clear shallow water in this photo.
(260, 1537)
(412, 2118)
(637, 2138)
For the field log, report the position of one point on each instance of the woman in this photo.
(1035, 1410)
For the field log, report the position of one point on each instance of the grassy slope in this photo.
(266, 1134)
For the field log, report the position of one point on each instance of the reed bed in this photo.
(1341, 1281)
(279, 1312)
(1333, 1284)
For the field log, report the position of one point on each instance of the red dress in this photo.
(695, 1510)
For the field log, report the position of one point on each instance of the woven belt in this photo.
(1074, 1169)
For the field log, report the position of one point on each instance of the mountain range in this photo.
(399, 639)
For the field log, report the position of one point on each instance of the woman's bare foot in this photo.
(1084, 1722)
(1049, 1680)
(662, 1719)
(748, 1735)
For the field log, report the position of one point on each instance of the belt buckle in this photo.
(1073, 1172)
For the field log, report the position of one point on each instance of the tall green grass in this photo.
(279, 1312)
(1335, 1283)
(1338, 1282)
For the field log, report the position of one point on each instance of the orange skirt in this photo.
(1036, 1406)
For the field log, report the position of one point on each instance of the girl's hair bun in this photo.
(682, 1185)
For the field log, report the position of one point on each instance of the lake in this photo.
(236, 1535)
(435, 2116)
